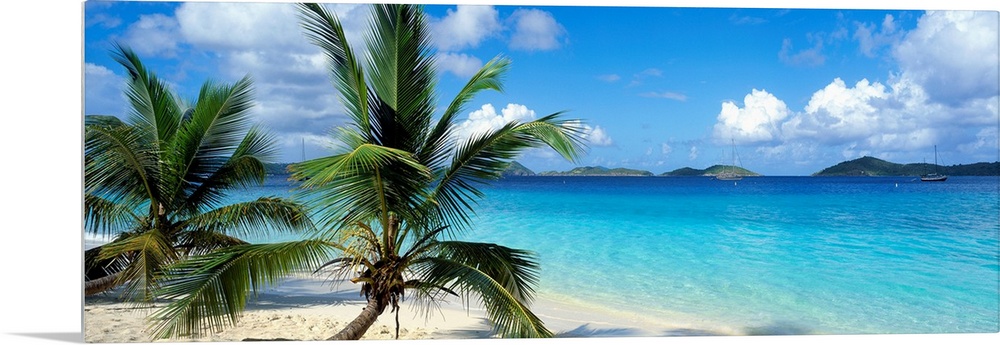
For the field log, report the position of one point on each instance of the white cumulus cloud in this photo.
(465, 27)
(294, 96)
(812, 56)
(592, 135)
(597, 136)
(871, 38)
(838, 114)
(462, 65)
(102, 91)
(757, 122)
(486, 119)
(154, 34)
(233, 25)
(953, 55)
(666, 149)
(535, 30)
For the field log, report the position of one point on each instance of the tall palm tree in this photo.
(157, 182)
(391, 202)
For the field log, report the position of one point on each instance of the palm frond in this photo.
(107, 217)
(484, 156)
(200, 242)
(325, 31)
(209, 292)
(437, 146)
(258, 217)
(401, 76)
(208, 137)
(563, 136)
(354, 184)
(96, 268)
(514, 269)
(118, 164)
(244, 168)
(509, 316)
(153, 106)
(148, 254)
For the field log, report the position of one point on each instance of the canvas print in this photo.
(323, 171)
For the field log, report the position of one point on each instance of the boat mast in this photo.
(935, 160)
(735, 157)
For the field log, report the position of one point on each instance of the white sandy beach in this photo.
(309, 308)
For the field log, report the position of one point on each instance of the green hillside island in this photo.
(711, 171)
(516, 169)
(598, 171)
(871, 166)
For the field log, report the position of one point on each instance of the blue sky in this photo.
(657, 88)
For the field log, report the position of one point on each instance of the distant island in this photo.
(864, 166)
(871, 166)
(598, 171)
(711, 171)
(516, 169)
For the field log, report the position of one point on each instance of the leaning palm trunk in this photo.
(357, 328)
(102, 284)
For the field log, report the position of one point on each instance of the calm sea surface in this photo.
(798, 255)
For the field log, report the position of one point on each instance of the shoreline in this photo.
(304, 308)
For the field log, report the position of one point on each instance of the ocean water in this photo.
(764, 255)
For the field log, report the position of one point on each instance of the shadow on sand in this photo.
(781, 328)
(271, 301)
(480, 332)
(588, 331)
(290, 293)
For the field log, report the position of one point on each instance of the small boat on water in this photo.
(729, 173)
(934, 176)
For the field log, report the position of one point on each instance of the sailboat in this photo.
(729, 173)
(934, 176)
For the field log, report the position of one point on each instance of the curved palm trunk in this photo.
(357, 328)
(102, 284)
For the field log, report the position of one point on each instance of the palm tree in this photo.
(157, 182)
(391, 202)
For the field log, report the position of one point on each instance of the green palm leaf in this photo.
(243, 168)
(118, 163)
(208, 138)
(510, 317)
(255, 218)
(159, 179)
(148, 254)
(483, 157)
(210, 291)
(107, 217)
(437, 145)
(516, 270)
(153, 106)
(355, 184)
(325, 31)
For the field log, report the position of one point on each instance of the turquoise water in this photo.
(798, 255)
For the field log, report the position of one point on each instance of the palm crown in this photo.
(388, 203)
(157, 182)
